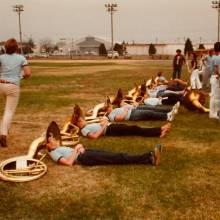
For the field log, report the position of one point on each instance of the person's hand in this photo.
(136, 104)
(104, 123)
(79, 149)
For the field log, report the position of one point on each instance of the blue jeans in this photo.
(98, 157)
(146, 115)
(154, 108)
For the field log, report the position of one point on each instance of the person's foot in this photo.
(170, 116)
(156, 155)
(176, 108)
(165, 129)
(3, 140)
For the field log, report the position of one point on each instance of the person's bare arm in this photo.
(100, 132)
(26, 71)
(79, 149)
(122, 116)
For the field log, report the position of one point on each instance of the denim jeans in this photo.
(132, 130)
(154, 108)
(98, 157)
(145, 115)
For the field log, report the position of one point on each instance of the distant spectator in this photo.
(178, 62)
(207, 62)
(214, 81)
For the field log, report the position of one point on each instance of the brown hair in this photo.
(11, 46)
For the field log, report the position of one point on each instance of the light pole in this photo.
(111, 8)
(216, 5)
(19, 9)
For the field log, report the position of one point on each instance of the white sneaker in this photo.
(170, 116)
(176, 108)
(177, 104)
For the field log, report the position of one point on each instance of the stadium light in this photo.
(111, 8)
(216, 5)
(19, 9)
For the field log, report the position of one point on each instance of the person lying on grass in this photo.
(79, 155)
(104, 128)
(140, 113)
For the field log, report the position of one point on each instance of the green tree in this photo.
(46, 45)
(29, 46)
(119, 48)
(201, 47)
(102, 50)
(152, 49)
(188, 46)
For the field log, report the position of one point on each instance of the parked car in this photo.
(115, 54)
(127, 55)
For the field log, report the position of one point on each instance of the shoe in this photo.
(156, 154)
(3, 141)
(176, 108)
(165, 129)
(177, 105)
(170, 116)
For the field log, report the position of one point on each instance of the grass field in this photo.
(184, 186)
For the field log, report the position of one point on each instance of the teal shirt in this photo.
(60, 152)
(91, 128)
(216, 61)
(118, 111)
(11, 67)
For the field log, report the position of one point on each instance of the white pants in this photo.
(11, 94)
(195, 81)
(214, 97)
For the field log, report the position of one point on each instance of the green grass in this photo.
(71, 65)
(184, 186)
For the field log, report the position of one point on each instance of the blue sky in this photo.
(136, 20)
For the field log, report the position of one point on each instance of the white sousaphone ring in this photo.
(22, 169)
(26, 168)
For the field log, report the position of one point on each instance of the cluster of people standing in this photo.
(204, 74)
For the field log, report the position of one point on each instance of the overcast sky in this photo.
(142, 21)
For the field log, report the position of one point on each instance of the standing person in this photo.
(11, 66)
(195, 73)
(214, 81)
(178, 62)
(207, 62)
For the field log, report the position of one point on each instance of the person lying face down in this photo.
(104, 128)
(128, 112)
(79, 155)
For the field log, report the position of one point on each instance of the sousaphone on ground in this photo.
(31, 167)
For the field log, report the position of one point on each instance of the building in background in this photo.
(90, 45)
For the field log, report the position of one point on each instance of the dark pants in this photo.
(145, 115)
(172, 99)
(98, 157)
(154, 108)
(177, 72)
(131, 130)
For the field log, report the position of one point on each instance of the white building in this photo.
(162, 49)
